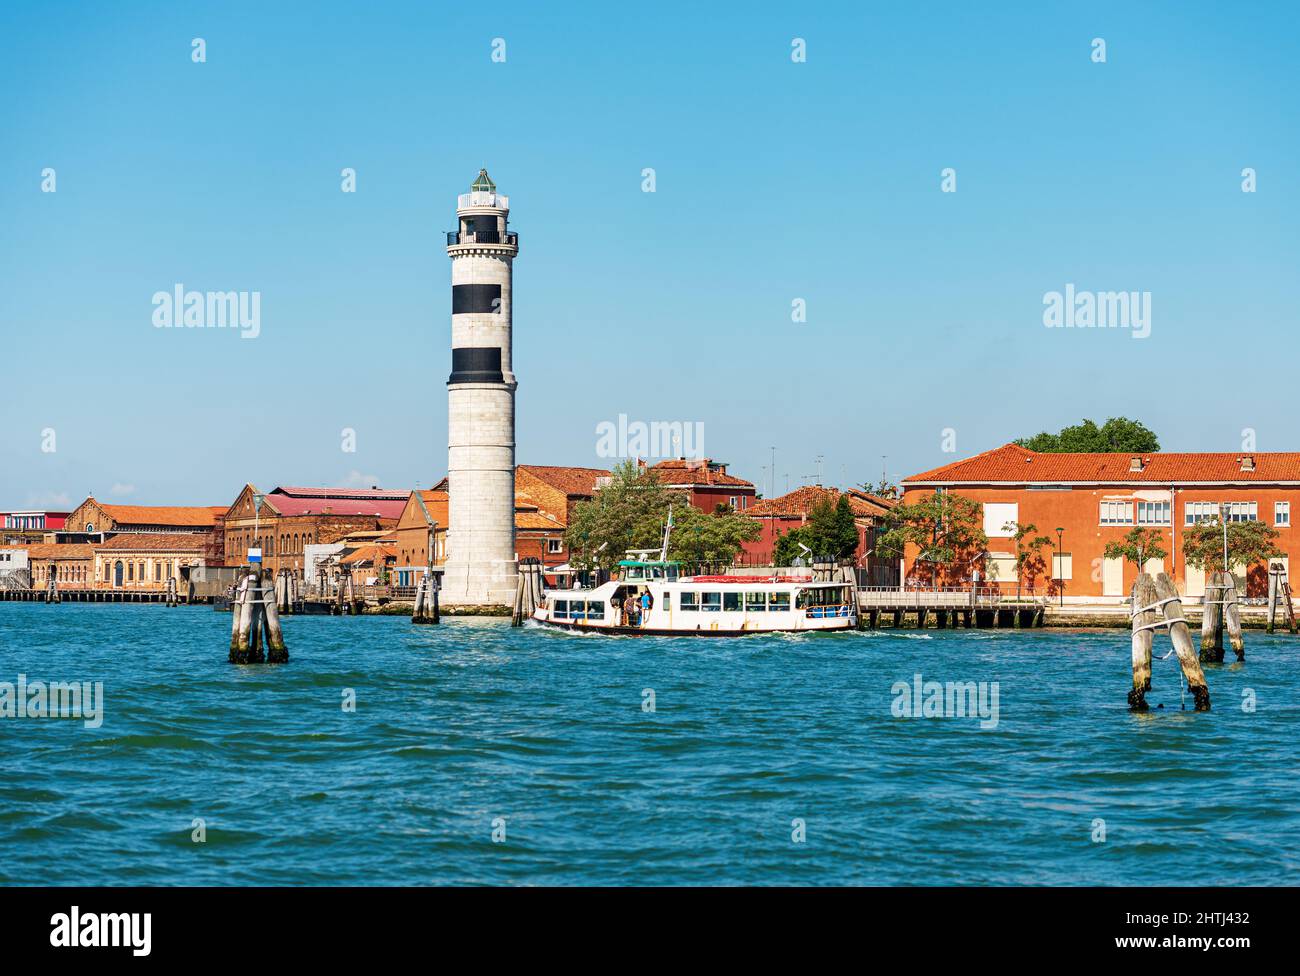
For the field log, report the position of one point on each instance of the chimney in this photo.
(1247, 462)
(1136, 463)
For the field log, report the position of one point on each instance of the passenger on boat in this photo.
(629, 611)
(647, 602)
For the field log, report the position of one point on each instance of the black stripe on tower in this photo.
(476, 364)
(475, 298)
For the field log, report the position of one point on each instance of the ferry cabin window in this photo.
(656, 572)
(731, 601)
(577, 609)
(711, 602)
(690, 601)
(635, 572)
(561, 610)
(756, 602)
(667, 601)
(778, 602)
(672, 572)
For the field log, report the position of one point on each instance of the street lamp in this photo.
(1060, 568)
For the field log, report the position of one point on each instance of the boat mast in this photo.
(668, 530)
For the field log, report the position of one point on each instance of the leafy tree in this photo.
(947, 529)
(627, 513)
(701, 539)
(1249, 544)
(1139, 545)
(1029, 554)
(831, 530)
(884, 488)
(630, 513)
(1118, 435)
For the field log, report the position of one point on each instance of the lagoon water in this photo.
(471, 722)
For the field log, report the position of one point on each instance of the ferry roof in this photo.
(648, 562)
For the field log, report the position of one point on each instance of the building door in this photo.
(117, 573)
(1112, 577)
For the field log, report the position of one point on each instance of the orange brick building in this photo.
(707, 483)
(1097, 498)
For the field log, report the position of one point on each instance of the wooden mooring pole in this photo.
(1167, 601)
(1212, 609)
(1232, 617)
(255, 621)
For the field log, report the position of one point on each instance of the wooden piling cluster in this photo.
(1279, 596)
(528, 591)
(1156, 605)
(425, 610)
(255, 635)
(1221, 611)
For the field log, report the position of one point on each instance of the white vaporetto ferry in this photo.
(704, 606)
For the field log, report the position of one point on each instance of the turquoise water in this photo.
(458, 725)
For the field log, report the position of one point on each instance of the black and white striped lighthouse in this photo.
(481, 565)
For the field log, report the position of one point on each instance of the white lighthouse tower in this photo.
(481, 565)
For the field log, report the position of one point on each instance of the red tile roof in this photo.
(155, 542)
(387, 493)
(385, 507)
(61, 550)
(800, 502)
(696, 472)
(571, 481)
(163, 514)
(1015, 465)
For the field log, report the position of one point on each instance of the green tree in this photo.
(1138, 545)
(1029, 551)
(630, 513)
(701, 539)
(831, 530)
(946, 528)
(1249, 544)
(1118, 435)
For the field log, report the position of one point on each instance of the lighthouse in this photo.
(481, 567)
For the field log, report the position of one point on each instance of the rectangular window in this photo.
(1194, 512)
(1116, 513)
(1153, 513)
(778, 602)
(577, 609)
(1243, 511)
(711, 602)
(554, 545)
(756, 602)
(997, 516)
(668, 600)
(1063, 566)
(1281, 513)
(561, 610)
(690, 601)
(731, 601)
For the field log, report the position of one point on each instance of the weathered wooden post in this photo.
(241, 610)
(1274, 585)
(276, 653)
(1232, 617)
(1182, 641)
(1144, 624)
(1212, 607)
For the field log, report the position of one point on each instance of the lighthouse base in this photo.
(480, 584)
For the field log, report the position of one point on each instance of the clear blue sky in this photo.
(775, 181)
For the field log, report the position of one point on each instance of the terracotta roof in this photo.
(684, 471)
(62, 550)
(154, 542)
(571, 481)
(437, 506)
(1012, 464)
(801, 501)
(204, 515)
(385, 507)
(388, 493)
(369, 553)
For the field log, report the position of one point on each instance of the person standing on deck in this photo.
(629, 610)
(647, 601)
